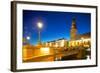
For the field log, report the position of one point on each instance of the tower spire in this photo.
(73, 31)
(74, 23)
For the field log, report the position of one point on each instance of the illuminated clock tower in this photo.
(73, 31)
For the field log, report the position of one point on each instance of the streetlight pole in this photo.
(39, 38)
(28, 38)
(40, 25)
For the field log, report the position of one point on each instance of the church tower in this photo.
(73, 31)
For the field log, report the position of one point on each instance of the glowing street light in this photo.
(40, 25)
(28, 37)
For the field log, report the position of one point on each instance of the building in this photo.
(81, 42)
(79, 39)
(73, 31)
(57, 43)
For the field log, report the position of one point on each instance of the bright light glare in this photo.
(28, 37)
(82, 38)
(40, 25)
(45, 50)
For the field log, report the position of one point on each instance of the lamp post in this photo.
(40, 25)
(28, 38)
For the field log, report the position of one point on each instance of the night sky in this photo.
(56, 25)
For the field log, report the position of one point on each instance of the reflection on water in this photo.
(42, 54)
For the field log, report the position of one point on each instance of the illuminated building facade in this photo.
(77, 40)
(57, 43)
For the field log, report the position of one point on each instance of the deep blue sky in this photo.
(56, 25)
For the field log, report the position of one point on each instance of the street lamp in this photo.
(40, 25)
(28, 38)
